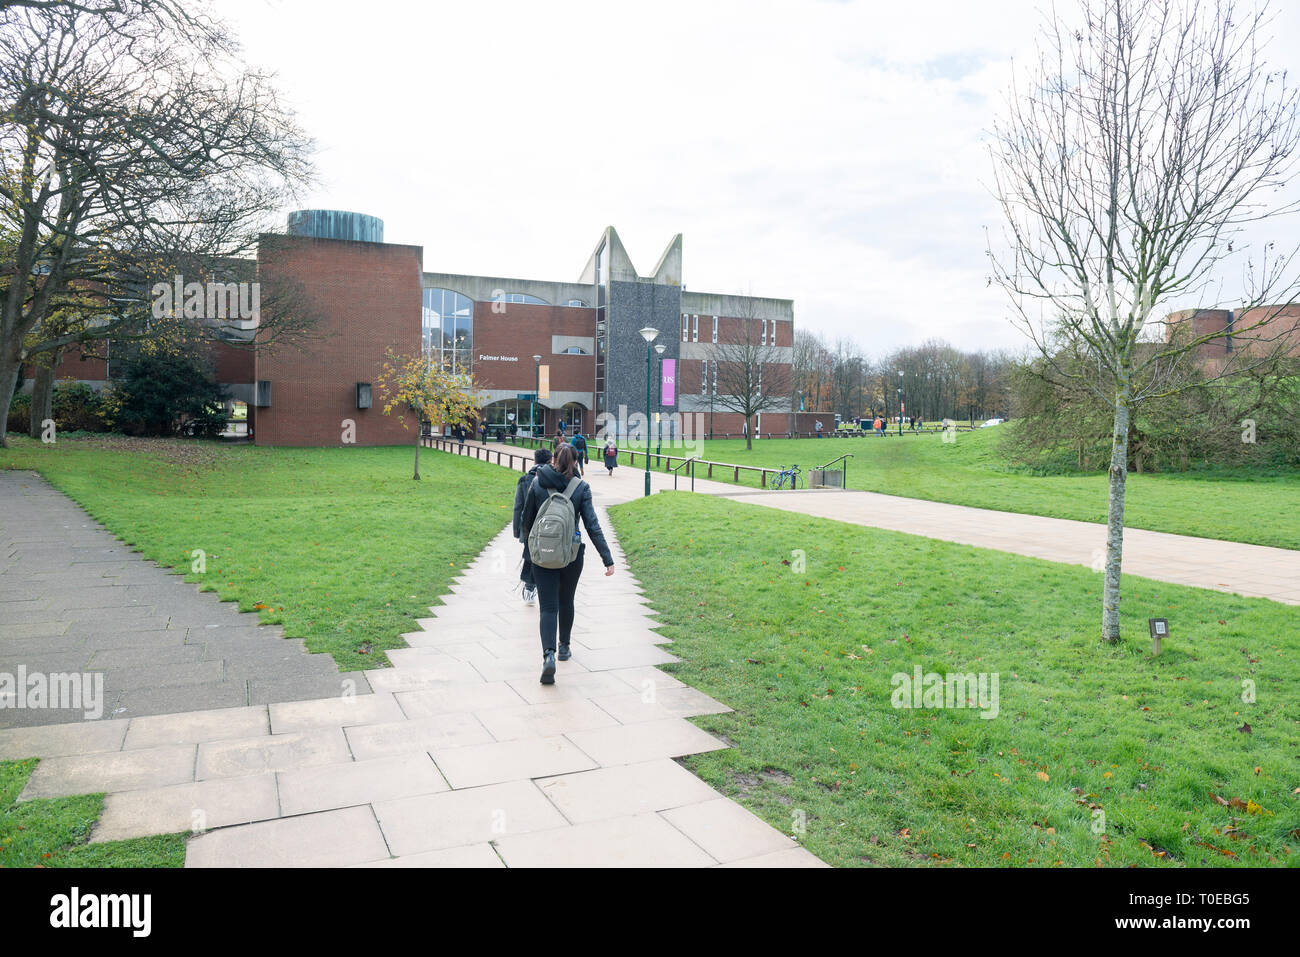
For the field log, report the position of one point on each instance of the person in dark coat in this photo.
(611, 455)
(579, 443)
(556, 587)
(522, 488)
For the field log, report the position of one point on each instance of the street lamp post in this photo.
(648, 334)
(900, 403)
(659, 426)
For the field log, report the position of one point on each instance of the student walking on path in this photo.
(522, 488)
(611, 455)
(579, 443)
(557, 580)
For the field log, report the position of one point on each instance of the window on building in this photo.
(447, 326)
(695, 328)
(576, 302)
(764, 332)
(686, 320)
(521, 297)
(715, 328)
(575, 351)
(704, 378)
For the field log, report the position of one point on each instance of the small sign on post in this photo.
(1159, 630)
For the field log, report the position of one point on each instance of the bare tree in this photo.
(1147, 138)
(134, 145)
(752, 376)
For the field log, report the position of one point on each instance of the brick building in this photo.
(1250, 333)
(580, 341)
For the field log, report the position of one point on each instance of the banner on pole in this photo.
(668, 383)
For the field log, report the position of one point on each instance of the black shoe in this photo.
(564, 653)
(548, 668)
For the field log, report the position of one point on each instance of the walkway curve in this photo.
(1253, 570)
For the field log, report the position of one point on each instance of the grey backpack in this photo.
(553, 541)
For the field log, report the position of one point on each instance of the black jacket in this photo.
(521, 495)
(549, 480)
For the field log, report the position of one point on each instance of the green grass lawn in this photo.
(1261, 507)
(53, 832)
(806, 657)
(339, 546)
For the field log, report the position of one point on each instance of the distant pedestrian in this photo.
(819, 428)
(460, 433)
(522, 488)
(579, 443)
(557, 500)
(876, 425)
(482, 430)
(918, 425)
(611, 455)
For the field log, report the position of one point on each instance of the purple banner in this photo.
(668, 383)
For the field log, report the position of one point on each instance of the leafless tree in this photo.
(134, 145)
(1145, 140)
(752, 376)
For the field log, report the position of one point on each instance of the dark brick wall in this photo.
(368, 298)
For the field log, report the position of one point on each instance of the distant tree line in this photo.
(933, 380)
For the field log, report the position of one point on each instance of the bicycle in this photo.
(791, 475)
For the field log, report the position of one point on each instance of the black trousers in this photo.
(555, 590)
(526, 573)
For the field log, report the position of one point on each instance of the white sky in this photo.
(826, 152)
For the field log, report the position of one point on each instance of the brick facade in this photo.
(367, 296)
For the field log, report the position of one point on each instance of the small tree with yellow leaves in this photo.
(423, 386)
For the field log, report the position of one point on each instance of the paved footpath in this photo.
(460, 757)
(1254, 570)
(75, 600)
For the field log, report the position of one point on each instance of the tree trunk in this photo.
(1115, 515)
(10, 368)
(42, 394)
(749, 434)
(416, 476)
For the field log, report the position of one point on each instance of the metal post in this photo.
(647, 415)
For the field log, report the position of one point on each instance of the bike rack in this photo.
(677, 468)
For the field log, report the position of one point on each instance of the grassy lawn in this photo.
(807, 656)
(1237, 505)
(339, 546)
(52, 832)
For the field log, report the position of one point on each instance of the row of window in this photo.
(705, 376)
(534, 300)
(447, 324)
(691, 329)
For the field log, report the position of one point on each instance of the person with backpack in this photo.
(556, 499)
(522, 488)
(611, 455)
(579, 443)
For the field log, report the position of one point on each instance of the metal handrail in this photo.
(677, 468)
(842, 458)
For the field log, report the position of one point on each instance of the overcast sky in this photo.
(830, 153)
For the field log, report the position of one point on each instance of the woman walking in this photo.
(611, 455)
(557, 586)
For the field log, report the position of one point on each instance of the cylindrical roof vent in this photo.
(336, 224)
